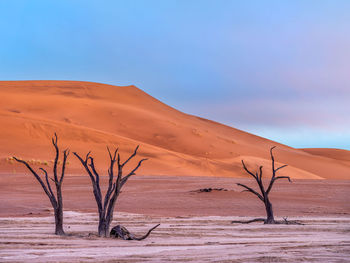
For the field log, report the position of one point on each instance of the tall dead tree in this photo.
(55, 198)
(115, 184)
(264, 193)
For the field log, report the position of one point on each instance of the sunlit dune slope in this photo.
(90, 116)
(337, 154)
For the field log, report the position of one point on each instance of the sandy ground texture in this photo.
(195, 226)
(21, 195)
(178, 239)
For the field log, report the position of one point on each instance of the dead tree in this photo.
(115, 184)
(264, 193)
(55, 199)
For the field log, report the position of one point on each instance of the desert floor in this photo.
(179, 239)
(195, 227)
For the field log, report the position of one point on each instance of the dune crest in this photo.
(89, 116)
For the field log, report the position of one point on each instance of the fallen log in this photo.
(120, 231)
(285, 221)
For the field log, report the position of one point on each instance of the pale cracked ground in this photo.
(179, 239)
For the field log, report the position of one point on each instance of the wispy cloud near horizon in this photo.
(300, 123)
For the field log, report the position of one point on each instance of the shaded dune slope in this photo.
(89, 116)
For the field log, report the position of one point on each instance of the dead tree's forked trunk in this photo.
(56, 200)
(264, 193)
(115, 184)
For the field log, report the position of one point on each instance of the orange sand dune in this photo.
(337, 154)
(89, 116)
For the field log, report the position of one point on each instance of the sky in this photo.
(278, 69)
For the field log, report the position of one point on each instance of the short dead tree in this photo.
(115, 184)
(55, 199)
(264, 193)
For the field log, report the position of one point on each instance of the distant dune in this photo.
(90, 116)
(337, 154)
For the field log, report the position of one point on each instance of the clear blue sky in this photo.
(279, 69)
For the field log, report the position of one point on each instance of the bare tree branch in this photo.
(37, 177)
(248, 221)
(97, 177)
(283, 177)
(132, 172)
(84, 163)
(252, 191)
(131, 156)
(114, 154)
(92, 178)
(271, 155)
(52, 196)
(246, 169)
(145, 236)
(260, 182)
(65, 156)
(54, 142)
(281, 167)
(111, 186)
(260, 173)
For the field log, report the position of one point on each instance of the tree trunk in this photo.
(104, 223)
(269, 212)
(59, 221)
(59, 212)
(103, 228)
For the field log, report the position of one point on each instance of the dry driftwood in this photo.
(115, 184)
(285, 221)
(208, 190)
(121, 232)
(56, 200)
